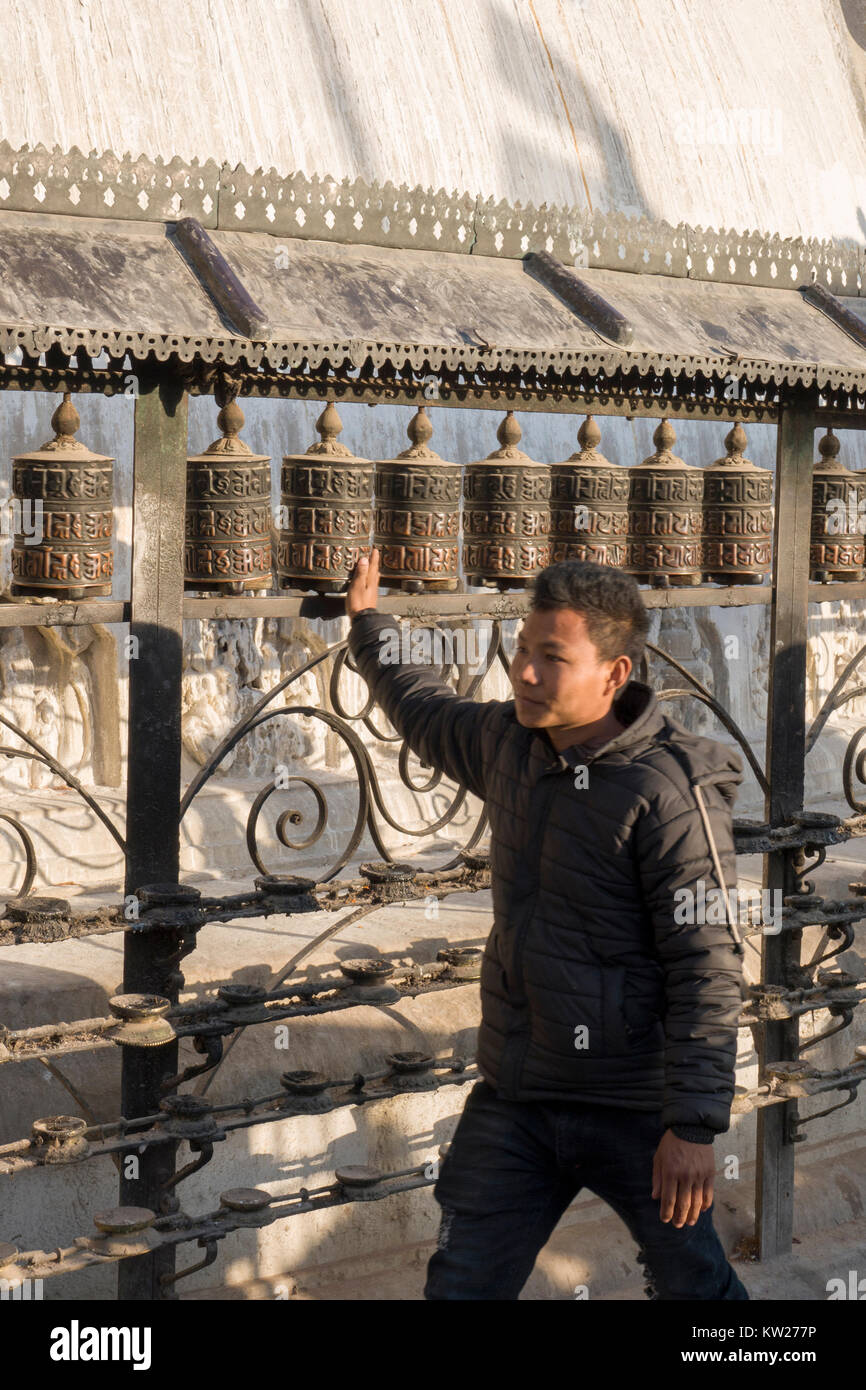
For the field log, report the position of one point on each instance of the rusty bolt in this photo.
(304, 1083)
(410, 1061)
(60, 1138)
(474, 858)
(379, 871)
(465, 961)
(367, 972)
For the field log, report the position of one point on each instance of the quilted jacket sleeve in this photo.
(445, 730)
(696, 948)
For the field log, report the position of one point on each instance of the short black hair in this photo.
(608, 599)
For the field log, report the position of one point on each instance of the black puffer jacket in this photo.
(591, 988)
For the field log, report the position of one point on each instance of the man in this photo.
(610, 995)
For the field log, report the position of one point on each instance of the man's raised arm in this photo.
(449, 732)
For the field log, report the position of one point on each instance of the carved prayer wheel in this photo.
(665, 516)
(738, 516)
(589, 504)
(838, 544)
(417, 514)
(506, 517)
(228, 512)
(63, 498)
(326, 511)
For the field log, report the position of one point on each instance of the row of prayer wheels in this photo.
(663, 520)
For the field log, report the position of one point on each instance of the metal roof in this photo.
(172, 288)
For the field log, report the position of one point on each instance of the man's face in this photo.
(556, 674)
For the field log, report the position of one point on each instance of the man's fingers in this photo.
(696, 1204)
(708, 1194)
(668, 1198)
(684, 1202)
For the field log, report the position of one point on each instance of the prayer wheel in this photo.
(228, 512)
(506, 517)
(665, 543)
(326, 511)
(838, 544)
(738, 516)
(63, 500)
(589, 504)
(417, 514)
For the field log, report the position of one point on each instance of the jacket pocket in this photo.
(644, 1004)
(614, 1021)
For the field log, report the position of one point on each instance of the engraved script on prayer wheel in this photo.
(506, 516)
(838, 544)
(63, 543)
(665, 516)
(326, 511)
(738, 516)
(228, 512)
(589, 504)
(416, 523)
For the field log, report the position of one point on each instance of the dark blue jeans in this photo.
(514, 1167)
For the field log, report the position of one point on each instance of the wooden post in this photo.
(154, 754)
(786, 752)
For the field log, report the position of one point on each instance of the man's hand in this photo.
(683, 1179)
(363, 590)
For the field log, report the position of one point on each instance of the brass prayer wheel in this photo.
(416, 525)
(589, 504)
(228, 512)
(326, 511)
(738, 516)
(838, 544)
(665, 516)
(63, 497)
(506, 517)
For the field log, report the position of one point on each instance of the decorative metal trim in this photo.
(284, 355)
(107, 185)
(320, 207)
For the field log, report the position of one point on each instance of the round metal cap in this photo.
(134, 1006)
(37, 909)
(460, 955)
(283, 884)
(58, 1128)
(242, 994)
(367, 972)
(168, 895)
(409, 1061)
(122, 1221)
(245, 1199)
(357, 1176)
